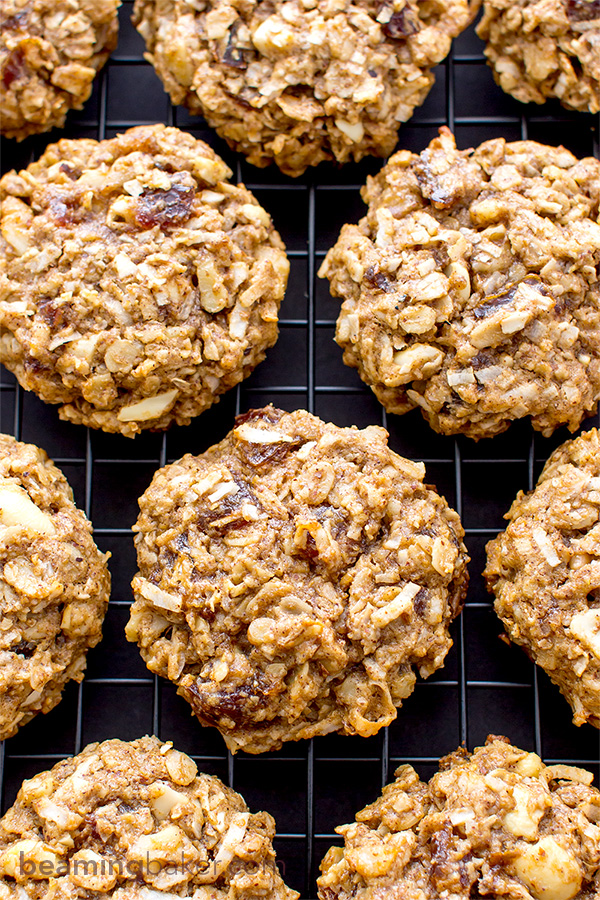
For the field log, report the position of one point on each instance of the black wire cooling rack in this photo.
(485, 686)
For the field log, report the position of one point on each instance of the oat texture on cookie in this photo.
(471, 288)
(494, 823)
(293, 578)
(50, 52)
(54, 585)
(137, 284)
(545, 48)
(544, 571)
(135, 821)
(301, 81)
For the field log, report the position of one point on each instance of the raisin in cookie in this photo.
(50, 52)
(54, 585)
(292, 577)
(300, 81)
(136, 283)
(471, 287)
(135, 821)
(545, 48)
(494, 823)
(544, 571)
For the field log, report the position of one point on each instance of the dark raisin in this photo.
(240, 704)
(583, 10)
(69, 170)
(14, 67)
(377, 279)
(491, 303)
(402, 24)
(266, 414)
(420, 602)
(24, 648)
(165, 208)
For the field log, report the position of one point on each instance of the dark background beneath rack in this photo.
(485, 686)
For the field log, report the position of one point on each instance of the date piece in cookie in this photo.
(50, 52)
(54, 585)
(135, 821)
(494, 823)
(300, 81)
(137, 284)
(545, 48)
(544, 571)
(293, 578)
(471, 288)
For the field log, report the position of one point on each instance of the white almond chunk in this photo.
(33, 697)
(465, 376)
(220, 670)
(530, 765)
(158, 597)
(523, 820)
(62, 339)
(124, 265)
(180, 767)
(213, 296)
(212, 197)
(461, 816)
(548, 870)
(252, 435)
(491, 373)
(36, 852)
(133, 187)
(158, 845)
(60, 815)
(163, 804)
(256, 214)
(84, 348)
(231, 841)
(460, 279)
(420, 360)
(250, 512)
(238, 323)
(271, 35)
(354, 130)
(17, 508)
(402, 603)
(92, 872)
(585, 627)
(149, 408)
(515, 321)
(546, 547)
(304, 451)
(211, 170)
(227, 489)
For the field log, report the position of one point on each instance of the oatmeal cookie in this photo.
(494, 823)
(135, 821)
(544, 571)
(471, 288)
(293, 577)
(50, 52)
(300, 81)
(136, 283)
(54, 585)
(545, 48)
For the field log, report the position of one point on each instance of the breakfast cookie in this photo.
(544, 571)
(300, 81)
(54, 585)
(135, 821)
(50, 52)
(293, 577)
(136, 283)
(471, 287)
(545, 48)
(494, 823)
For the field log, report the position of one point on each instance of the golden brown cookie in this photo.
(54, 585)
(137, 284)
(293, 578)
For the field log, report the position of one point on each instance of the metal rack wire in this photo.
(485, 686)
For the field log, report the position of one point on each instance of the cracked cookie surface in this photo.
(54, 585)
(136, 283)
(299, 82)
(494, 823)
(544, 571)
(50, 52)
(293, 577)
(135, 821)
(545, 48)
(471, 288)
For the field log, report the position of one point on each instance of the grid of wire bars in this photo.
(485, 686)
